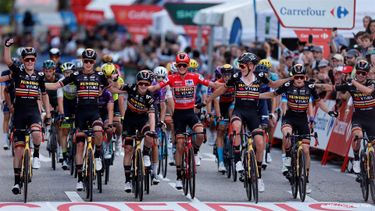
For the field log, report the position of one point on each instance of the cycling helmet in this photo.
(160, 71)
(144, 75)
(49, 64)
(28, 51)
(67, 66)
(227, 69)
(107, 58)
(362, 65)
(266, 63)
(54, 52)
(246, 58)
(218, 72)
(193, 64)
(260, 68)
(89, 53)
(182, 57)
(108, 69)
(298, 69)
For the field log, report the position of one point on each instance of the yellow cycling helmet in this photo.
(266, 63)
(193, 64)
(108, 69)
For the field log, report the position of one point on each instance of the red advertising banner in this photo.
(321, 37)
(134, 14)
(79, 3)
(192, 31)
(88, 17)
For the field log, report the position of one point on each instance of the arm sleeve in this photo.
(342, 87)
(103, 80)
(150, 103)
(314, 95)
(42, 85)
(68, 80)
(15, 70)
(166, 82)
(281, 89)
(126, 87)
(201, 80)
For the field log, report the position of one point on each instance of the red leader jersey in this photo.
(184, 88)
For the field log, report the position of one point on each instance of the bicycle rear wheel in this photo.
(72, 152)
(293, 175)
(140, 175)
(107, 164)
(165, 155)
(254, 176)
(192, 172)
(302, 176)
(363, 175)
(372, 174)
(26, 174)
(228, 157)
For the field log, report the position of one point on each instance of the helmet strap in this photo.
(248, 70)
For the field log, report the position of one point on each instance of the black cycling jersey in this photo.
(27, 86)
(361, 101)
(137, 103)
(88, 86)
(52, 94)
(246, 96)
(298, 97)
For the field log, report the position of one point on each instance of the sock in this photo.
(259, 163)
(356, 155)
(178, 172)
(196, 149)
(17, 175)
(65, 155)
(220, 154)
(237, 153)
(5, 138)
(127, 171)
(36, 151)
(79, 172)
(146, 151)
(97, 152)
(155, 168)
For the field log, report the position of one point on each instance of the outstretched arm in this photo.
(267, 95)
(362, 88)
(278, 83)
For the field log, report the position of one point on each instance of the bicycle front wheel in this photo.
(192, 172)
(165, 154)
(254, 175)
(185, 172)
(247, 182)
(302, 176)
(90, 174)
(363, 176)
(140, 175)
(26, 174)
(293, 175)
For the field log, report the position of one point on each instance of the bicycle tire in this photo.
(90, 172)
(247, 183)
(140, 175)
(99, 175)
(254, 176)
(165, 155)
(293, 175)
(134, 176)
(192, 172)
(72, 157)
(372, 174)
(147, 180)
(363, 174)
(184, 166)
(107, 164)
(302, 176)
(26, 174)
(227, 157)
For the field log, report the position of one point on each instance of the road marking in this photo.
(51, 206)
(347, 174)
(173, 185)
(308, 199)
(73, 196)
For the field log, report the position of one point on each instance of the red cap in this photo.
(347, 69)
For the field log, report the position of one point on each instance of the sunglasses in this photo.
(29, 59)
(143, 84)
(242, 66)
(361, 73)
(160, 77)
(301, 77)
(181, 65)
(88, 61)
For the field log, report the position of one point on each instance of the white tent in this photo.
(162, 22)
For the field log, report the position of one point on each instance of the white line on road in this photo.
(307, 198)
(173, 185)
(347, 174)
(73, 196)
(51, 206)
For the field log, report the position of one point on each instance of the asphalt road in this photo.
(327, 182)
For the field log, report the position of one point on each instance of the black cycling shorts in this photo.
(116, 108)
(183, 118)
(133, 123)
(86, 115)
(24, 117)
(69, 107)
(364, 120)
(298, 121)
(225, 108)
(248, 117)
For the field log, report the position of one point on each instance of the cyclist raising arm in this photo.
(184, 85)
(27, 84)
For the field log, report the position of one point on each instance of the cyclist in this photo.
(300, 96)
(28, 85)
(55, 56)
(88, 83)
(55, 97)
(140, 115)
(362, 91)
(69, 107)
(184, 85)
(246, 107)
(225, 109)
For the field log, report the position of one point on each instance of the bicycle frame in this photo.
(27, 150)
(89, 138)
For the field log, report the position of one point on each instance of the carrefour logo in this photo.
(341, 12)
(302, 12)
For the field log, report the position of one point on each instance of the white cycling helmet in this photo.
(160, 71)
